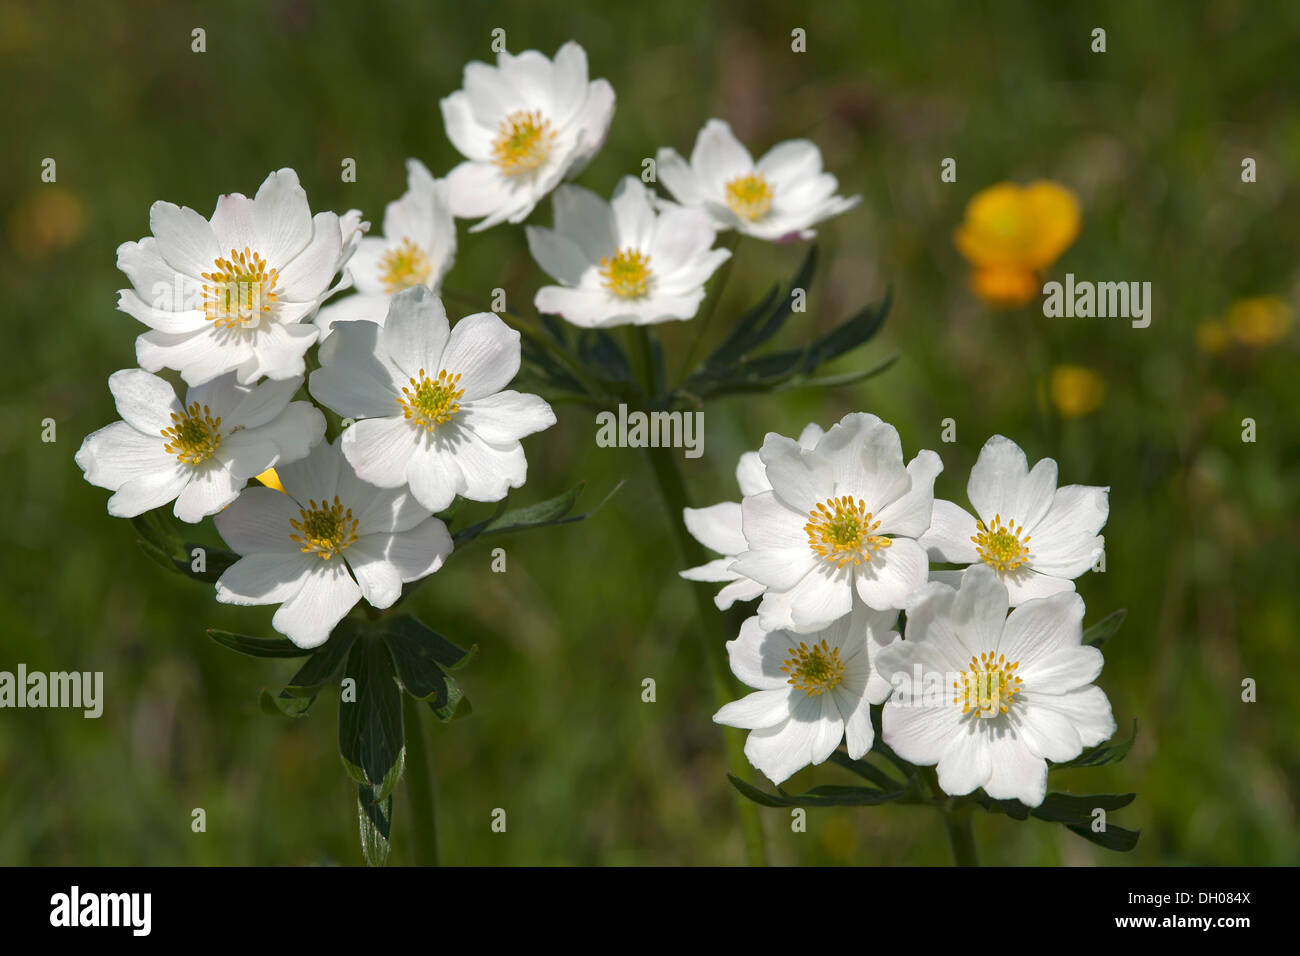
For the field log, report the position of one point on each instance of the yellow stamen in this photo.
(524, 141)
(1000, 545)
(989, 687)
(403, 267)
(749, 196)
(815, 669)
(325, 529)
(628, 274)
(841, 530)
(431, 401)
(193, 436)
(239, 289)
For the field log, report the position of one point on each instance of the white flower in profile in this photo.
(328, 540)
(777, 198)
(718, 528)
(434, 409)
(417, 248)
(236, 293)
(811, 690)
(199, 454)
(522, 126)
(622, 262)
(1036, 536)
(989, 698)
(840, 518)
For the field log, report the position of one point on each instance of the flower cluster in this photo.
(836, 534)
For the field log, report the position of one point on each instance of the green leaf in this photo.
(257, 646)
(552, 511)
(162, 540)
(1077, 809)
(376, 823)
(284, 704)
(865, 770)
(370, 726)
(761, 323)
(1104, 629)
(410, 639)
(325, 662)
(1100, 756)
(599, 351)
(1112, 838)
(825, 796)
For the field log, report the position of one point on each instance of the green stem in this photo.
(671, 487)
(419, 787)
(702, 323)
(961, 837)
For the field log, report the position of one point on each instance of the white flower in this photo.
(621, 262)
(1036, 536)
(417, 248)
(812, 690)
(718, 528)
(841, 517)
(325, 542)
(991, 698)
(434, 413)
(777, 198)
(237, 293)
(523, 125)
(199, 454)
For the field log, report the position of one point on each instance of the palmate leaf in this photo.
(1075, 812)
(761, 322)
(371, 741)
(300, 692)
(422, 658)
(375, 816)
(1104, 629)
(552, 511)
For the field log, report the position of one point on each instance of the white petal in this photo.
(717, 527)
(314, 478)
(145, 401)
(118, 453)
(185, 239)
(1025, 584)
(586, 220)
(506, 417)
(998, 481)
(490, 471)
(1065, 542)
(265, 578)
(434, 476)
(326, 596)
(801, 479)
(949, 536)
(1087, 709)
(718, 157)
(208, 491)
(380, 449)
(308, 276)
(470, 137)
(783, 750)
(741, 589)
(892, 574)
(149, 491)
(282, 216)
(757, 656)
(484, 351)
(258, 522)
(776, 568)
(910, 515)
(919, 735)
(751, 474)
(558, 255)
(677, 177)
(295, 432)
(966, 764)
(763, 708)
(1016, 772)
(866, 458)
(1041, 627)
(416, 332)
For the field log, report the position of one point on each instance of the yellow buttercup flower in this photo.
(1075, 390)
(1212, 337)
(1259, 322)
(1011, 234)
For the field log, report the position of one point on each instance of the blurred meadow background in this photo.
(1202, 542)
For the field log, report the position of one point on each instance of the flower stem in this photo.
(671, 487)
(961, 837)
(419, 787)
(702, 322)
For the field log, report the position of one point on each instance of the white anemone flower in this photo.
(623, 262)
(417, 248)
(989, 698)
(238, 292)
(718, 528)
(777, 198)
(1037, 537)
(522, 126)
(432, 401)
(328, 540)
(811, 690)
(199, 454)
(841, 518)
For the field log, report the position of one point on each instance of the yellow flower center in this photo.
(523, 142)
(1000, 545)
(403, 267)
(193, 436)
(841, 531)
(431, 401)
(239, 289)
(815, 669)
(749, 196)
(325, 529)
(628, 274)
(989, 687)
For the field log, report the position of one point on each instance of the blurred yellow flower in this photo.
(1260, 321)
(1011, 234)
(271, 480)
(1075, 390)
(47, 221)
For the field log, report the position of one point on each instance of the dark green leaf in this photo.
(1112, 838)
(552, 511)
(410, 637)
(761, 322)
(598, 350)
(1104, 629)
(848, 335)
(257, 646)
(865, 770)
(285, 704)
(370, 726)
(420, 655)
(826, 796)
(1100, 756)
(325, 662)
(1077, 809)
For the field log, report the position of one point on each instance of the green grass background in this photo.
(1202, 542)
